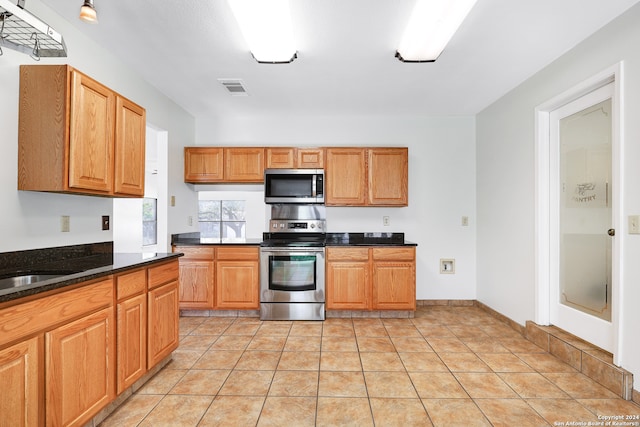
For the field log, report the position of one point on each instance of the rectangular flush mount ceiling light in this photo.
(431, 26)
(267, 28)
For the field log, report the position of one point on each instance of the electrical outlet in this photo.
(447, 266)
(190, 220)
(65, 223)
(105, 222)
(465, 221)
(173, 201)
(386, 221)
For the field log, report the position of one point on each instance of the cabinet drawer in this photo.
(30, 317)
(394, 254)
(237, 253)
(162, 273)
(130, 284)
(196, 252)
(347, 254)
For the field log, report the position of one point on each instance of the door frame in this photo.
(543, 192)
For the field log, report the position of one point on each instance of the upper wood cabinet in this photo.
(345, 177)
(203, 164)
(217, 164)
(367, 177)
(76, 135)
(131, 127)
(388, 176)
(244, 164)
(294, 158)
(280, 157)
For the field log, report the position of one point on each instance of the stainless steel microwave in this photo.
(294, 186)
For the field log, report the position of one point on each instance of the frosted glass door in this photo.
(585, 210)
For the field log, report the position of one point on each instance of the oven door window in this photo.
(292, 272)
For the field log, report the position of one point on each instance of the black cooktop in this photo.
(293, 239)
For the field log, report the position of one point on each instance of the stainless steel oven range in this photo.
(292, 285)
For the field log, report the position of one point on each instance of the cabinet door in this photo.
(132, 340)
(280, 158)
(388, 176)
(21, 402)
(394, 285)
(310, 158)
(237, 285)
(345, 177)
(203, 164)
(347, 285)
(80, 368)
(244, 164)
(196, 284)
(91, 135)
(129, 148)
(162, 333)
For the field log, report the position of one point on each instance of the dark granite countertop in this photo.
(194, 239)
(367, 239)
(71, 264)
(332, 239)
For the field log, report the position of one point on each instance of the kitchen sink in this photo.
(28, 279)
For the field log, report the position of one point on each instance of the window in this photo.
(149, 221)
(222, 219)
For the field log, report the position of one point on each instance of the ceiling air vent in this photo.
(234, 86)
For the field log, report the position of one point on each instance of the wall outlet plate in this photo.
(447, 266)
(105, 222)
(65, 223)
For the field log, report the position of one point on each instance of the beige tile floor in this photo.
(449, 366)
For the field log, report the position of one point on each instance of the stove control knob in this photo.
(281, 225)
(313, 226)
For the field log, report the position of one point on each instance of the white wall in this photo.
(32, 220)
(441, 182)
(505, 178)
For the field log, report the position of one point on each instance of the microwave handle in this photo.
(314, 187)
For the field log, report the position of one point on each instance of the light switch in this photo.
(634, 224)
(65, 223)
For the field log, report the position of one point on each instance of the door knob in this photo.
(611, 232)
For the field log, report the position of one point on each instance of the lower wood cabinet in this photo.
(393, 278)
(237, 278)
(131, 316)
(80, 368)
(21, 400)
(348, 283)
(197, 277)
(65, 356)
(222, 277)
(370, 278)
(163, 312)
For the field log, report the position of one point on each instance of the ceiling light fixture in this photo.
(267, 28)
(431, 26)
(88, 12)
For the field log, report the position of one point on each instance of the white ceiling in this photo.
(346, 62)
